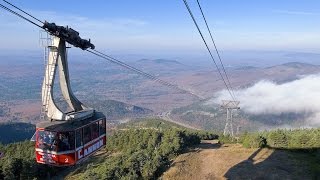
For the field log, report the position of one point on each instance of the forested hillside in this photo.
(139, 153)
(18, 162)
(15, 132)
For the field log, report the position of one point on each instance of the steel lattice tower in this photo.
(229, 106)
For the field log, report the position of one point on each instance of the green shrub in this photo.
(253, 140)
(206, 135)
(226, 139)
(278, 139)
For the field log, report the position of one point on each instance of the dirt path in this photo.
(232, 161)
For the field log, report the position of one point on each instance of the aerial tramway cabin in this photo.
(62, 143)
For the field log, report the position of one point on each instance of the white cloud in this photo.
(290, 12)
(299, 96)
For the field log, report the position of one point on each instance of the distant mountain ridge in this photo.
(162, 67)
(160, 61)
(245, 67)
(294, 65)
(116, 110)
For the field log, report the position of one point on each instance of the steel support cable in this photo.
(129, 67)
(19, 15)
(225, 72)
(23, 11)
(113, 60)
(195, 22)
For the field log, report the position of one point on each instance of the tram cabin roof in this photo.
(70, 125)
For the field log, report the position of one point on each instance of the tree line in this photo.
(280, 138)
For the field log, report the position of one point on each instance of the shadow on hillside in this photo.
(208, 145)
(269, 163)
(176, 163)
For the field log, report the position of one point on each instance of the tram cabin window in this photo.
(95, 130)
(86, 134)
(71, 140)
(64, 141)
(102, 127)
(45, 140)
(79, 138)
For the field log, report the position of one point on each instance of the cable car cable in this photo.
(195, 22)
(113, 60)
(215, 47)
(19, 15)
(24, 11)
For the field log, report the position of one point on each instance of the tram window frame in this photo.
(102, 127)
(72, 141)
(95, 130)
(87, 135)
(79, 136)
(43, 142)
(65, 141)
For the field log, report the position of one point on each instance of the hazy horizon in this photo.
(231, 58)
(127, 27)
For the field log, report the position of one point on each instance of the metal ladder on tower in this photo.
(50, 68)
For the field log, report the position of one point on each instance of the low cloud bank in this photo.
(266, 97)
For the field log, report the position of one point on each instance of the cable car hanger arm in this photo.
(68, 34)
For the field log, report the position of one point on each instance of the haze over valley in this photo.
(262, 90)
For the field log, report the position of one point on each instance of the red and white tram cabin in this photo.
(66, 143)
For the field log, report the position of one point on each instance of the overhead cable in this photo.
(154, 78)
(225, 72)
(19, 15)
(24, 11)
(203, 39)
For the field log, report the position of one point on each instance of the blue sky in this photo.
(165, 27)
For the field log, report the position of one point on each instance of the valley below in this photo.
(123, 95)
